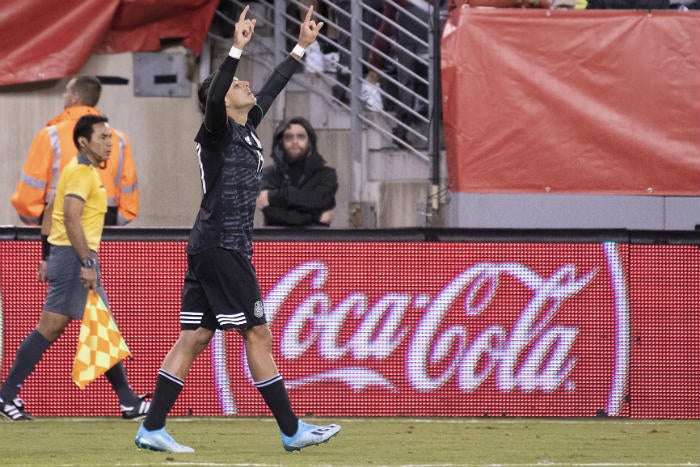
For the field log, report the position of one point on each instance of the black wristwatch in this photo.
(90, 263)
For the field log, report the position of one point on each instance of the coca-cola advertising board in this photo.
(402, 328)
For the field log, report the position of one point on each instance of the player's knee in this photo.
(261, 333)
(195, 341)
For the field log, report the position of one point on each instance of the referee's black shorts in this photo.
(221, 291)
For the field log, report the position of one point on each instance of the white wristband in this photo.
(298, 50)
(235, 52)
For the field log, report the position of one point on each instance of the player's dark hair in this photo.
(203, 91)
(84, 127)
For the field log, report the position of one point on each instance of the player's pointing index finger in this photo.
(309, 14)
(243, 13)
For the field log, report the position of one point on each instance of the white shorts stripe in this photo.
(236, 319)
(190, 317)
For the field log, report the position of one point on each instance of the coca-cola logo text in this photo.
(545, 364)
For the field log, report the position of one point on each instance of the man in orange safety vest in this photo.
(51, 150)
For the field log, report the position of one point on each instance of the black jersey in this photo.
(231, 166)
(231, 163)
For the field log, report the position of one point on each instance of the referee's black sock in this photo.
(29, 353)
(275, 394)
(117, 378)
(168, 388)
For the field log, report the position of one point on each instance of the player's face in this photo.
(295, 141)
(100, 144)
(239, 94)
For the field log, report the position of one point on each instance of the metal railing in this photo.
(403, 104)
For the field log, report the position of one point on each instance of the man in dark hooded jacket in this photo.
(299, 190)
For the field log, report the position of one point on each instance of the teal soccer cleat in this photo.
(158, 440)
(309, 435)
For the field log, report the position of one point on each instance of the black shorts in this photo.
(221, 291)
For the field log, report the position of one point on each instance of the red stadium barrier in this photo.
(403, 328)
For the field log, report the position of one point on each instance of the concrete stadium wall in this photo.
(475, 210)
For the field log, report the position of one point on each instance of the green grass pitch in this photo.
(376, 442)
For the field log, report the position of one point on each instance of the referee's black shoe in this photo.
(138, 410)
(14, 410)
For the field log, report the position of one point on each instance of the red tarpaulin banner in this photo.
(602, 102)
(50, 39)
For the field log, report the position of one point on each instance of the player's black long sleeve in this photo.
(274, 84)
(215, 114)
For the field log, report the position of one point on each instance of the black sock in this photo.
(29, 353)
(275, 394)
(168, 388)
(117, 378)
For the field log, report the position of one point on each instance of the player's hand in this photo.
(263, 200)
(309, 29)
(43, 266)
(243, 29)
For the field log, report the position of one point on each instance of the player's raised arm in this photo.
(215, 114)
(307, 34)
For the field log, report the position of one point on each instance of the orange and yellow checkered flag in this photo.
(100, 345)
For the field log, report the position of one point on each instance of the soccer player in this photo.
(221, 290)
(76, 230)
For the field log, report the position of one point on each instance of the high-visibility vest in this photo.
(51, 150)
